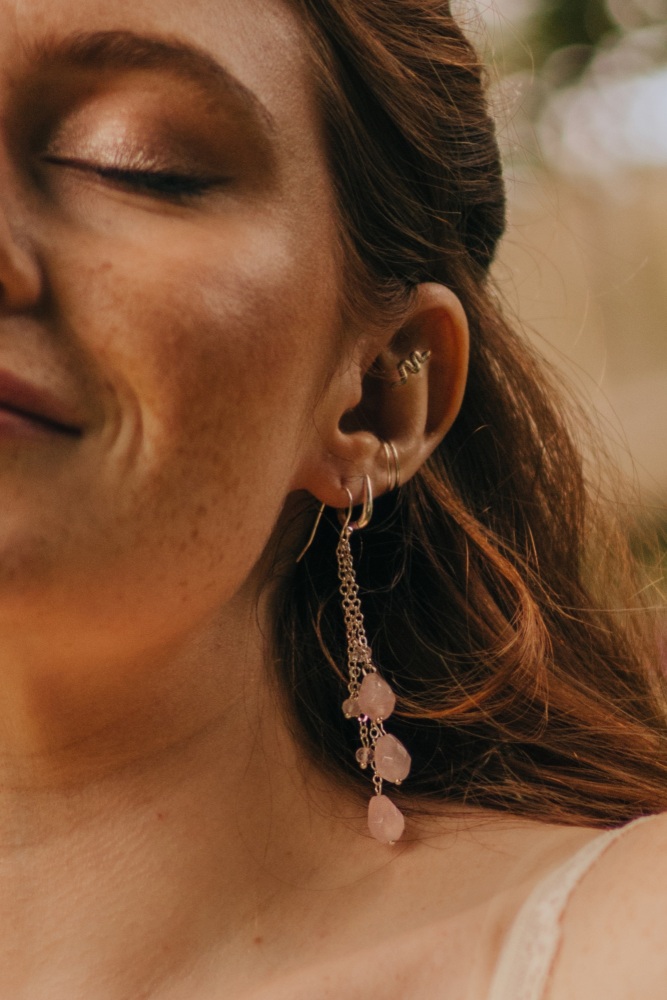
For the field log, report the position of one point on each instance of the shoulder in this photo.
(614, 943)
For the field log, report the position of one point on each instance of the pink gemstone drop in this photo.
(351, 708)
(385, 822)
(376, 699)
(392, 760)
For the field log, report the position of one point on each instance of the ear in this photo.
(406, 389)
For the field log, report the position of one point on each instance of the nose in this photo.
(20, 273)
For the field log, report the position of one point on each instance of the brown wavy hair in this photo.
(495, 589)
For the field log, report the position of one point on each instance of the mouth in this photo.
(27, 409)
(11, 417)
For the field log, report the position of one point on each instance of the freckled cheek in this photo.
(208, 353)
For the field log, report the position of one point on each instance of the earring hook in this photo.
(345, 519)
(366, 512)
(311, 539)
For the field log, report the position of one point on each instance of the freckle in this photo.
(258, 940)
(160, 815)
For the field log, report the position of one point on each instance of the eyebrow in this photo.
(128, 50)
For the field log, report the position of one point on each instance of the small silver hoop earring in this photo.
(397, 465)
(391, 466)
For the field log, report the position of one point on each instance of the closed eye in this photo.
(170, 185)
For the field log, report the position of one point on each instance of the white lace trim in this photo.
(531, 944)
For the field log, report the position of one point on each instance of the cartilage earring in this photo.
(370, 698)
(411, 366)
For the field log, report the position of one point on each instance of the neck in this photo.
(169, 798)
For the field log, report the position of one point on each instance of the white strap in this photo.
(530, 947)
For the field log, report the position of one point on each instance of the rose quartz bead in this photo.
(351, 708)
(385, 821)
(392, 760)
(376, 699)
(364, 757)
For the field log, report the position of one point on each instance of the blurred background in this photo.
(580, 92)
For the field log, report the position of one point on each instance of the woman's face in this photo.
(167, 274)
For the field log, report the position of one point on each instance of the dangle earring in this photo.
(371, 700)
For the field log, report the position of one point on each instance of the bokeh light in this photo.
(582, 101)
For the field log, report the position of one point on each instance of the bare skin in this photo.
(160, 833)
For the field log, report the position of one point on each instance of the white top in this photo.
(530, 947)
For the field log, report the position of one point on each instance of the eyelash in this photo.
(156, 183)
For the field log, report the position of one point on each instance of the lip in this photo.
(37, 404)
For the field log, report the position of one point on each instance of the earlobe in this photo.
(405, 400)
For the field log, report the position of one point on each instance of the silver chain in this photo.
(359, 656)
(359, 660)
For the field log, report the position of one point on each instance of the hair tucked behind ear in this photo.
(522, 686)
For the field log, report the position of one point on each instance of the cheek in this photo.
(212, 347)
(215, 353)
